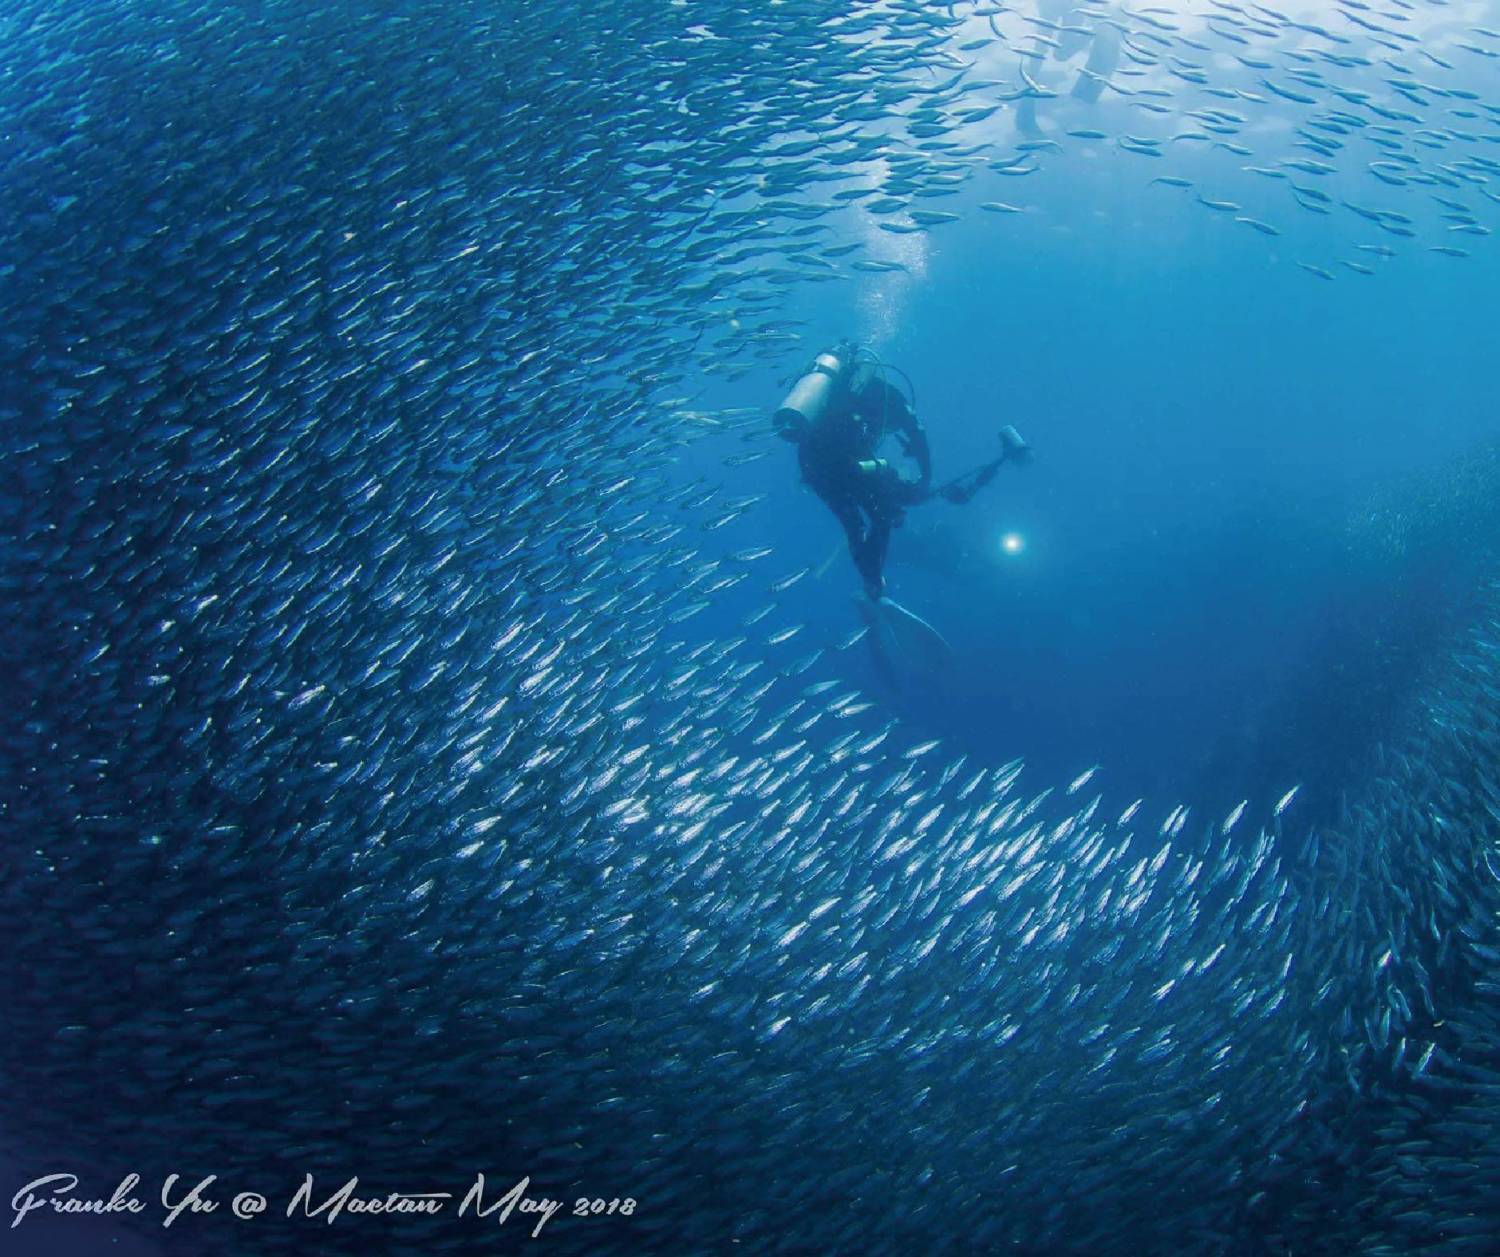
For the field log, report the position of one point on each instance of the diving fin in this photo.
(883, 651)
(916, 636)
(904, 643)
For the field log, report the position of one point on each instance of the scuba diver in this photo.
(1075, 29)
(838, 414)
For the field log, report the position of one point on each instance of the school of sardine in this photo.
(373, 801)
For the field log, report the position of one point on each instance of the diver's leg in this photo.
(1104, 56)
(865, 547)
(847, 512)
(869, 558)
(1026, 121)
(879, 542)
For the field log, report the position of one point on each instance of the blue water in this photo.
(1197, 606)
(368, 419)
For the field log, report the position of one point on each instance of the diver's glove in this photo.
(892, 489)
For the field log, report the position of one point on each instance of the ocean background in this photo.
(1209, 603)
(1221, 437)
(386, 412)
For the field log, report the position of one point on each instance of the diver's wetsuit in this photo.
(837, 457)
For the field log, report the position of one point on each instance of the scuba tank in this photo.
(813, 394)
(1014, 445)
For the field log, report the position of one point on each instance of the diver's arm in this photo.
(917, 447)
(913, 438)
